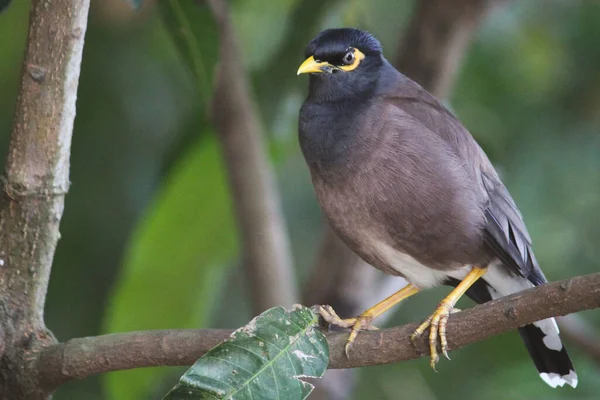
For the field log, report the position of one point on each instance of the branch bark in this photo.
(80, 358)
(35, 182)
(267, 256)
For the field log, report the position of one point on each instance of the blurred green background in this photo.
(148, 236)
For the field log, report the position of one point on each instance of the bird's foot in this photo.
(437, 328)
(360, 323)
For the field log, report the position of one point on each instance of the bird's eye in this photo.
(349, 58)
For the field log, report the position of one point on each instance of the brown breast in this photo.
(402, 185)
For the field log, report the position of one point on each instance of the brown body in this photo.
(405, 207)
(427, 200)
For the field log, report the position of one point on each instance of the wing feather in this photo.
(505, 234)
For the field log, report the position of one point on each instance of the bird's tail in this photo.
(548, 353)
(541, 338)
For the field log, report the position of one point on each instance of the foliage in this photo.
(268, 358)
(175, 264)
(194, 33)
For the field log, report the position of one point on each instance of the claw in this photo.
(347, 348)
(446, 354)
(331, 317)
(433, 361)
(437, 329)
(363, 322)
(420, 330)
(442, 331)
(438, 320)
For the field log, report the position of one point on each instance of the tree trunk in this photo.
(35, 182)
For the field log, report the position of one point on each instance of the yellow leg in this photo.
(363, 321)
(438, 320)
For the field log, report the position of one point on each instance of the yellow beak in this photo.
(310, 65)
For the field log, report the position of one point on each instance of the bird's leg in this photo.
(363, 321)
(438, 320)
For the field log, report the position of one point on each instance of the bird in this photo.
(407, 188)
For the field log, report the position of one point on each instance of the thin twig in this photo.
(267, 256)
(80, 358)
(437, 39)
(577, 331)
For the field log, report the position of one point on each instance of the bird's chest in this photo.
(353, 208)
(328, 135)
(386, 196)
(353, 213)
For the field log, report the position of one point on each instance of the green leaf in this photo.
(195, 35)
(266, 359)
(174, 265)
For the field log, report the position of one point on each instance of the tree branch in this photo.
(577, 331)
(35, 182)
(80, 358)
(436, 41)
(267, 255)
(339, 277)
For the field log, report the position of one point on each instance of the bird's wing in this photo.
(505, 234)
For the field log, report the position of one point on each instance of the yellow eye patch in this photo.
(312, 66)
(358, 57)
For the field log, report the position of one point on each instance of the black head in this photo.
(342, 62)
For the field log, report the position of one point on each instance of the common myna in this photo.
(408, 189)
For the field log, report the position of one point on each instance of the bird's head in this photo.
(342, 61)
